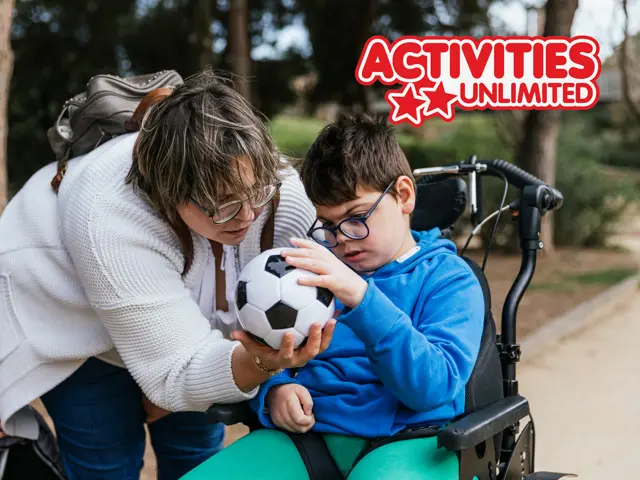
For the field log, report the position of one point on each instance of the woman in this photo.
(120, 288)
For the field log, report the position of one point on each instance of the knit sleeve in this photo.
(130, 267)
(295, 213)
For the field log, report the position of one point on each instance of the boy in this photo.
(409, 331)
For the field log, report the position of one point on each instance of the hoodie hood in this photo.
(429, 243)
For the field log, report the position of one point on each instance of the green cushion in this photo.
(414, 459)
(271, 455)
(264, 454)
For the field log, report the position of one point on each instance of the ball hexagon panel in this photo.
(293, 294)
(315, 312)
(277, 266)
(275, 338)
(281, 316)
(325, 296)
(254, 320)
(241, 294)
(263, 290)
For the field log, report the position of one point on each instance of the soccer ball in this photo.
(270, 302)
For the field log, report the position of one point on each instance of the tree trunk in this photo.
(202, 20)
(239, 43)
(537, 150)
(6, 69)
(626, 68)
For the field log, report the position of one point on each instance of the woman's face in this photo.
(228, 233)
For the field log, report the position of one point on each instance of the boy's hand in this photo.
(291, 407)
(346, 285)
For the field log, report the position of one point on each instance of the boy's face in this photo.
(389, 227)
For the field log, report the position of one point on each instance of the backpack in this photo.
(110, 106)
(22, 458)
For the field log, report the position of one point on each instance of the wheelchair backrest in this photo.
(440, 203)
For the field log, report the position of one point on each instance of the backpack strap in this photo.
(150, 99)
(132, 125)
(266, 238)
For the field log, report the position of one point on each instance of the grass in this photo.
(570, 282)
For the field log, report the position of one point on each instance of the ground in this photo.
(583, 394)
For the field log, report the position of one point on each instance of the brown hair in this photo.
(189, 145)
(354, 150)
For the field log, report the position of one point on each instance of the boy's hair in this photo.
(350, 152)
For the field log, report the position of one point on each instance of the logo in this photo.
(436, 75)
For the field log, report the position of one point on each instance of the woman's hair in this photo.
(189, 145)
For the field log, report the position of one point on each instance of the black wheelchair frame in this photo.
(492, 440)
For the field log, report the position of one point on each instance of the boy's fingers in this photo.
(305, 400)
(303, 242)
(311, 264)
(316, 281)
(296, 413)
(285, 419)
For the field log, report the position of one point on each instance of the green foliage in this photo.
(594, 201)
(57, 47)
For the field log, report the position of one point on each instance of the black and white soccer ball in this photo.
(270, 302)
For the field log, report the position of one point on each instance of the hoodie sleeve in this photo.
(424, 361)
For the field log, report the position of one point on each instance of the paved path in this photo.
(585, 397)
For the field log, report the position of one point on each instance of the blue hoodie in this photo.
(403, 356)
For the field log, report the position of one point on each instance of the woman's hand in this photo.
(152, 411)
(291, 407)
(287, 356)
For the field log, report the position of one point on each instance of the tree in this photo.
(338, 30)
(626, 63)
(6, 69)
(239, 44)
(537, 150)
(203, 38)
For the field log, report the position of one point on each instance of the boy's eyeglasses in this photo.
(354, 228)
(229, 210)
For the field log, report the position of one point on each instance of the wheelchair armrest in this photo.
(231, 413)
(483, 424)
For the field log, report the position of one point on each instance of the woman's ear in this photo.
(406, 193)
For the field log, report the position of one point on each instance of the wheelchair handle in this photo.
(551, 198)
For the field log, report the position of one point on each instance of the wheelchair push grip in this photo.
(552, 197)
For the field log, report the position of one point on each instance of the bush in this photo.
(594, 201)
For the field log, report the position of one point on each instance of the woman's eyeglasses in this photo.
(353, 227)
(227, 211)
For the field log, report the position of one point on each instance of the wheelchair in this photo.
(494, 438)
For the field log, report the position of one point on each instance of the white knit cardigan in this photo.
(94, 271)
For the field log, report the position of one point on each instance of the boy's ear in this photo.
(406, 193)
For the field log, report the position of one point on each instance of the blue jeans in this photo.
(99, 421)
